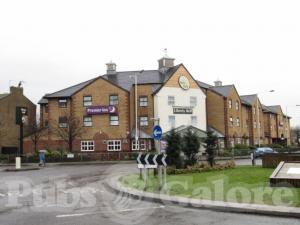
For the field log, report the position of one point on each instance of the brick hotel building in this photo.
(105, 105)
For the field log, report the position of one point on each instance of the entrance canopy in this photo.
(183, 129)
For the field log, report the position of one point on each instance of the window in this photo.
(143, 101)
(87, 146)
(237, 122)
(230, 104)
(254, 111)
(62, 103)
(63, 122)
(140, 146)
(87, 121)
(231, 121)
(254, 124)
(114, 145)
(237, 105)
(114, 120)
(87, 100)
(46, 123)
(46, 108)
(171, 100)
(259, 125)
(172, 121)
(194, 120)
(193, 101)
(113, 100)
(143, 121)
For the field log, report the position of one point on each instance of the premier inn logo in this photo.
(184, 83)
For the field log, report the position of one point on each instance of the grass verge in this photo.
(243, 184)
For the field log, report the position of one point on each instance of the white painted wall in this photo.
(182, 98)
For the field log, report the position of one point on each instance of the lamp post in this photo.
(136, 107)
(137, 146)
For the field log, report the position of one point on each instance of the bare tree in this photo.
(36, 133)
(68, 129)
(295, 135)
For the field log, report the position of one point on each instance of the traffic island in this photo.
(243, 189)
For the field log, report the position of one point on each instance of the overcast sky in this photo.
(253, 44)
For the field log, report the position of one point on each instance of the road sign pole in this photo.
(157, 133)
(165, 177)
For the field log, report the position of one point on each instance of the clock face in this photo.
(184, 83)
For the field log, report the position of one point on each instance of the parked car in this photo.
(259, 152)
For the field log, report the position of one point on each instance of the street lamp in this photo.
(258, 124)
(136, 111)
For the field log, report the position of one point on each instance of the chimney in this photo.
(111, 68)
(218, 83)
(16, 90)
(165, 62)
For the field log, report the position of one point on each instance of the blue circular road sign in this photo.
(157, 132)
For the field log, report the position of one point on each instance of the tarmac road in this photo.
(77, 195)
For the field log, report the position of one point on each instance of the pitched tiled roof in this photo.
(268, 109)
(222, 90)
(204, 85)
(248, 99)
(276, 108)
(121, 79)
(43, 100)
(3, 95)
(67, 92)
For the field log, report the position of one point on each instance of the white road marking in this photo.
(122, 210)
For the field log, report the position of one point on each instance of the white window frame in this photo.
(144, 121)
(114, 122)
(237, 105)
(171, 100)
(141, 146)
(87, 100)
(193, 101)
(143, 101)
(172, 123)
(62, 124)
(230, 104)
(114, 145)
(238, 122)
(231, 121)
(87, 146)
(113, 99)
(88, 123)
(194, 120)
(62, 103)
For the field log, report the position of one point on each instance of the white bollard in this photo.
(18, 163)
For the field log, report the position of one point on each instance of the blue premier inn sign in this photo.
(157, 132)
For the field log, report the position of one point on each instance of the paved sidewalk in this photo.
(71, 163)
(116, 186)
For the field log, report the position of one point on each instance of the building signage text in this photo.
(182, 110)
(101, 109)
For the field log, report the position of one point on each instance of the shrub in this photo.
(241, 146)
(200, 168)
(191, 145)
(174, 148)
